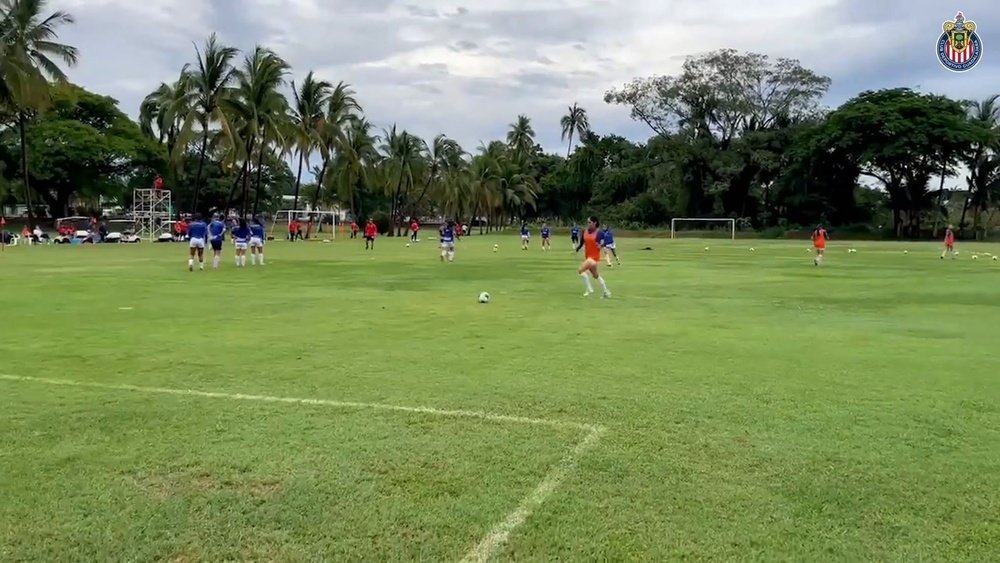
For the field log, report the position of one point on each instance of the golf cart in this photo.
(122, 231)
(73, 230)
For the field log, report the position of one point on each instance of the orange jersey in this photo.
(591, 247)
(819, 238)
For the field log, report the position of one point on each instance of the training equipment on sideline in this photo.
(484, 297)
(316, 220)
(709, 226)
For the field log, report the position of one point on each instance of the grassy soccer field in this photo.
(722, 405)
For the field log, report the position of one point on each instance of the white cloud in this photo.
(469, 68)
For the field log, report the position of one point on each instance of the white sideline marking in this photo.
(488, 547)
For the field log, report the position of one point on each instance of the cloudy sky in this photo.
(469, 68)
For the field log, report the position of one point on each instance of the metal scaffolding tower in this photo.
(151, 210)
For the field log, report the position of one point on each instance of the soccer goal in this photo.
(703, 227)
(311, 224)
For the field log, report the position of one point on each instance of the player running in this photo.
(608, 245)
(819, 238)
(257, 241)
(448, 241)
(546, 238)
(525, 236)
(371, 231)
(590, 242)
(217, 234)
(197, 233)
(949, 242)
(241, 237)
(574, 234)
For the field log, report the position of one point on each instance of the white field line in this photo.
(497, 537)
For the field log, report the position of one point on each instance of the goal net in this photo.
(703, 227)
(309, 224)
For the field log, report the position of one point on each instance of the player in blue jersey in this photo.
(197, 233)
(608, 245)
(241, 238)
(256, 241)
(525, 236)
(574, 234)
(448, 241)
(546, 238)
(216, 234)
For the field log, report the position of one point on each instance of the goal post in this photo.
(312, 221)
(705, 226)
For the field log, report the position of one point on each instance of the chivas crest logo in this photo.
(959, 48)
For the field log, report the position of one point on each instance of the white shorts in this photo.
(525, 237)
(449, 246)
(610, 246)
(256, 242)
(240, 245)
(196, 243)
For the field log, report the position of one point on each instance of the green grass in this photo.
(755, 406)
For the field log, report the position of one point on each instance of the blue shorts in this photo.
(216, 244)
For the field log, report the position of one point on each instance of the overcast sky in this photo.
(468, 68)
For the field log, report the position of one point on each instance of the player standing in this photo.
(590, 242)
(371, 231)
(414, 230)
(608, 244)
(256, 241)
(574, 234)
(819, 238)
(354, 229)
(217, 234)
(949, 242)
(525, 236)
(448, 241)
(546, 238)
(197, 232)
(241, 236)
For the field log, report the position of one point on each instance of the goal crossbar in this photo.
(730, 223)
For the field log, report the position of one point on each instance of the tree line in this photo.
(735, 135)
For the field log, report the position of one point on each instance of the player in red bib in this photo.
(591, 243)
(819, 238)
(371, 231)
(949, 242)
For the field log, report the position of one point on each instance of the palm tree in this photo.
(521, 139)
(443, 156)
(306, 120)
(28, 62)
(342, 110)
(256, 103)
(982, 160)
(161, 116)
(209, 83)
(358, 155)
(404, 157)
(574, 122)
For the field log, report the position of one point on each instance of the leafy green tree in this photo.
(82, 146)
(306, 119)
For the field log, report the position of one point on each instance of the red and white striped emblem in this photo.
(960, 57)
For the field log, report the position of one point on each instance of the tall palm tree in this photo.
(161, 116)
(443, 157)
(358, 155)
(256, 101)
(341, 111)
(209, 82)
(28, 55)
(521, 139)
(982, 159)
(404, 157)
(306, 120)
(575, 122)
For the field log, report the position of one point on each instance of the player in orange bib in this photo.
(591, 243)
(819, 237)
(949, 242)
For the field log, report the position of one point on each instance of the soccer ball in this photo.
(752, 250)
(496, 247)
(906, 252)
(407, 245)
(994, 258)
(975, 257)
(484, 297)
(706, 249)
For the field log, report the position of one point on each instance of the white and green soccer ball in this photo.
(407, 245)
(496, 247)
(975, 257)
(994, 258)
(484, 297)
